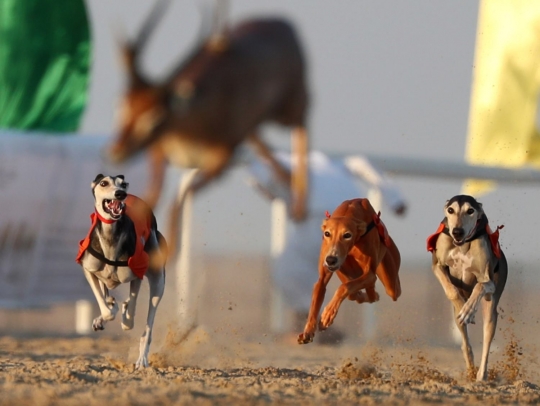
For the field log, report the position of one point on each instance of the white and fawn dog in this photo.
(123, 245)
(472, 269)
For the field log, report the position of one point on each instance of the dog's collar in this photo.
(104, 220)
(370, 227)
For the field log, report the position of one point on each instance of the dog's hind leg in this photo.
(156, 279)
(490, 316)
(107, 305)
(387, 272)
(128, 307)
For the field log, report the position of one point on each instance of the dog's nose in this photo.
(331, 260)
(120, 194)
(458, 232)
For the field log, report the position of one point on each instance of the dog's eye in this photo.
(450, 210)
(123, 185)
(327, 233)
(470, 211)
(347, 236)
(103, 183)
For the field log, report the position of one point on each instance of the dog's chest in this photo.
(111, 275)
(460, 260)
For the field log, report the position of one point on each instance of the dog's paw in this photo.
(127, 319)
(127, 324)
(467, 313)
(472, 318)
(359, 297)
(98, 324)
(373, 296)
(327, 317)
(113, 309)
(141, 363)
(321, 327)
(306, 337)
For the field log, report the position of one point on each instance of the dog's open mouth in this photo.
(331, 268)
(114, 208)
(463, 240)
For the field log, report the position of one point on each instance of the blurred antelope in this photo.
(233, 81)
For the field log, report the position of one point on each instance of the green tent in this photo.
(44, 64)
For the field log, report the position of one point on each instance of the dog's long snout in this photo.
(458, 233)
(120, 194)
(331, 260)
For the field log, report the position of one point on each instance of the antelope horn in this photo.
(221, 9)
(133, 49)
(150, 23)
(218, 39)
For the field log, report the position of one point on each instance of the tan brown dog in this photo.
(357, 246)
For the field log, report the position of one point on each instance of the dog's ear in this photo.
(481, 209)
(98, 177)
(120, 176)
(361, 227)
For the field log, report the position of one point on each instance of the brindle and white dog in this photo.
(472, 269)
(122, 246)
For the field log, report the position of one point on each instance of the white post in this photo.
(278, 322)
(187, 307)
(83, 317)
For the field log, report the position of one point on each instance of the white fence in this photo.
(46, 202)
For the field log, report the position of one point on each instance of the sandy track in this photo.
(236, 360)
(207, 370)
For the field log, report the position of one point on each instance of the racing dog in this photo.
(472, 269)
(357, 246)
(123, 245)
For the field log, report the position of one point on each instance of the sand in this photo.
(206, 370)
(233, 357)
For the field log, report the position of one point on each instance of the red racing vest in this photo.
(141, 215)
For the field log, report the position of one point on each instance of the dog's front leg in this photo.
(107, 306)
(346, 289)
(319, 290)
(451, 292)
(156, 279)
(128, 307)
(471, 306)
(457, 300)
